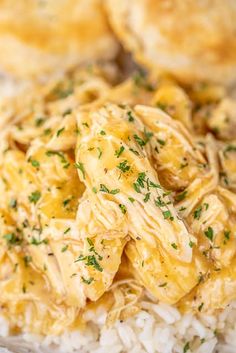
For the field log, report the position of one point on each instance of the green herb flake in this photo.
(209, 233)
(27, 259)
(197, 213)
(147, 197)
(186, 347)
(174, 246)
(140, 141)
(161, 142)
(92, 261)
(200, 307)
(167, 215)
(103, 188)
(87, 281)
(102, 132)
(181, 196)
(59, 132)
(119, 151)
(99, 152)
(123, 208)
(163, 285)
(66, 231)
(64, 248)
(13, 203)
(191, 244)
(131, 199)
(11, 239)
(80, 166)
(130, 116)
(227, 234)
(94, 190)
(34, 197)
(123, 166)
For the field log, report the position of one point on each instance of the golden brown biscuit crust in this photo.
(192, 39)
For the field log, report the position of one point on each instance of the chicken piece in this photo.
(227, 155)
(176, 171)
(77, 267)
(166, 278)
(24, 290)
(126, 186)
(214, 225)
(222, 121)
(216, 292)
(174, 101)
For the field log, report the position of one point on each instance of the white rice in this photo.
(157, 328)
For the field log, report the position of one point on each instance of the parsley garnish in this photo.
(103, 188)
(35, 241)
(64, 248)
(209, 233)
(87, 281)
(174, 246)
(60, 131)
(34, 196)
(131, 118)
(181, 196)
(123, 166)
(123, 208)
(34, 163)
(167, 215)
(80, 166)
(13, 203)
(197, 213)
(186, 347)
(119, 151)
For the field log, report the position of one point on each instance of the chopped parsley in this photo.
(209, 233)
(80, 166)
(59, 132)
(99, 152)
(27, 260)
(60, 155)
(167, 215)
(34, 163)
(161, 142)
(197, 213)
(102, 132)
(34, 197)
(123, 208)
(200, 307)
(13, 203)
(64, 248)
(91, 261)
(186, 347)
(119, 151)
(103, 188)
(147, 197)
(12, 239)
(181, 196)
(131, 118)
(87, 281)
(163, 285)
(174, 246)
(191, 244)
(123, 166)
(37, 242)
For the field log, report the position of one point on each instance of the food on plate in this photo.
(104, 200)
